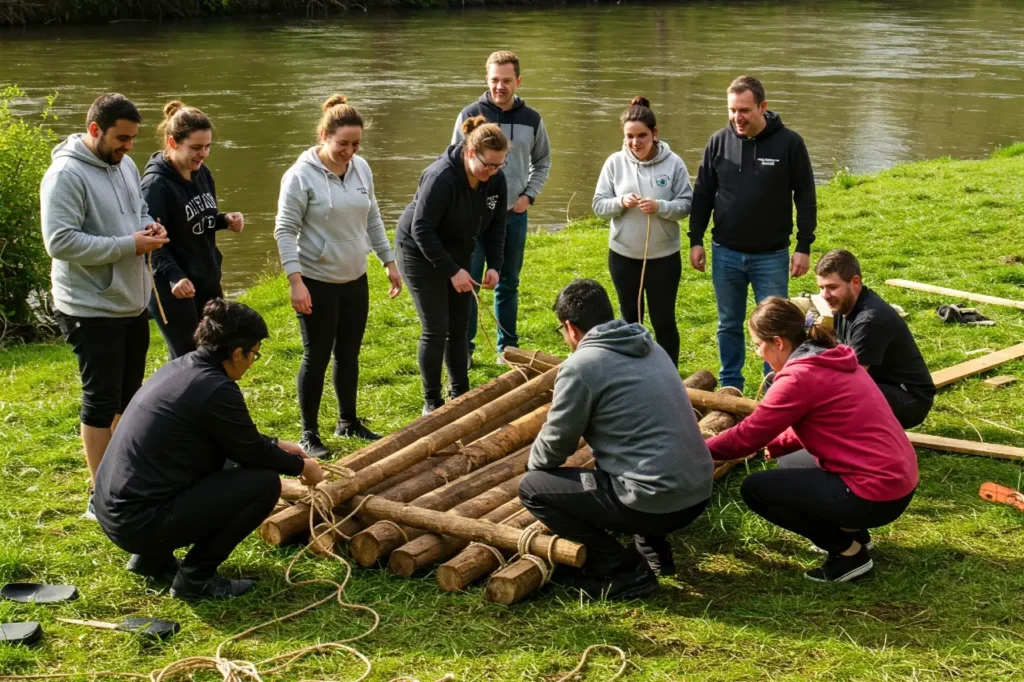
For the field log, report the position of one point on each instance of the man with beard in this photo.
(883, 343)
(97, 229)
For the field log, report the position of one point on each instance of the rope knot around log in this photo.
(526, 537)
(493, 550)
(398, 528)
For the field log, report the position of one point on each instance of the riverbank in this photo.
(945, 600)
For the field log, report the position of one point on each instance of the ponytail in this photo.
(780, 317)
(482, 136)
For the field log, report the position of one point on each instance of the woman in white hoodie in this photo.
(327, 222)
(644, 190)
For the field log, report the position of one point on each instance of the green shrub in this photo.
(24, 266)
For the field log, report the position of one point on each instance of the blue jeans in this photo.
(506, 295)
(731, 273)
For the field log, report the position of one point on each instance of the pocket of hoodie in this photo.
(345, 259)
(99, 277)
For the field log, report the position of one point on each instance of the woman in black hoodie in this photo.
(461, 197)
(179, 190)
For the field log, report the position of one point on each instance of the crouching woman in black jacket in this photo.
(461, 197)
(163, 483)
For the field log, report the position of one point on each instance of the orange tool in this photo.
(1000, 494)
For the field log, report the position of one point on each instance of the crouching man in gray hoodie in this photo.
(97, 229)
(621, 393)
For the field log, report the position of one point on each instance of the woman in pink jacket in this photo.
(826, 403)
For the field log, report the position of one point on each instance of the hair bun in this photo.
(173, 107)
(335, 100)
(471, 124)
(640, 102)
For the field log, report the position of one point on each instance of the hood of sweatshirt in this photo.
(517, 103)
(661, 152)
(772, 125)
(840, 359)
(621, 337)
(74, 148)
(159, 164)
(312, 158)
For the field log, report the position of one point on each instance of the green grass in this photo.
(946, 600)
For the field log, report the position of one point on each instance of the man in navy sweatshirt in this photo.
(527, 166)
(621, 393)
(753, 171)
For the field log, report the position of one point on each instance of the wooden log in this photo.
(966, 447)
(725, 467)
(324, 540)
(825, 317)
(498, 422)
(293, 491)
(427, 424)
(945, 377)
(475, 562)
(532, 359)
(955, 293)
(282, 527)
(701, 379)
(999, 382)
(706, 400)
(500, 536)
(513, 582)
(426, 549)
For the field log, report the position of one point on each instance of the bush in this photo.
(24, 266)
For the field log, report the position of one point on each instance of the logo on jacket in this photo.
(207, 222)
(492, 201)
(767, 162)
(661, 180)
(363, 191)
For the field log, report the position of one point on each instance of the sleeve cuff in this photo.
(386, 256)
(529, 197)
(696, 241)
(292, 267)
(127, 246)
(803, 247)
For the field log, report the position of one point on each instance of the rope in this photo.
(337, 469)
(643, 273)
(767, 378)
(494, 346)
(586, 656)
(493, 550)
(156, 294)
(523, 548)
(401, 531)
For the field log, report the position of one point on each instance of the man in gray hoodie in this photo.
(97, 229)
(621, 393)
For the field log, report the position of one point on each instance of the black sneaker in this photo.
(622, 585)
(355, 430)
(840, 569)
(658, 554)
(431, 405)
(863, 536)
(217, 587)
(153, 567)
(90, 510)
(314, 447)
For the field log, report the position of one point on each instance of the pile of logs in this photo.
(445, 488)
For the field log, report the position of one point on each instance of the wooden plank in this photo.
(999, 381)
(824, 312)
(945, 377)
(955, 293)
(966, 447)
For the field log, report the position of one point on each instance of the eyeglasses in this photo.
(560, 329)
(493, 167)
(256, 355)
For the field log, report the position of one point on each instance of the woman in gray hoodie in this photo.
(327, 222)
(644, 189)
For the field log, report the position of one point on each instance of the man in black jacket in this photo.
(753, 171)
(163, 482)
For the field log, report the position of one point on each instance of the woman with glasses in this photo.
(163, 483)
(461, 197)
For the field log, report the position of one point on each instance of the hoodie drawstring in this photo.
(327, 181)
(113, 187)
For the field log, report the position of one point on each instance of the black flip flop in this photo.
(20, 633)
(154, 628)
(37, 593)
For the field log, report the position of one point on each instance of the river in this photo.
(868, 85)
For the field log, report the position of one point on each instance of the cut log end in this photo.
(365, 549)
(402, 564)
(323, 540)
(513, 582)
(702, 379)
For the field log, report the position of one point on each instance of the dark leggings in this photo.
(816, 504)
(213, 515)
(580, 505)
(661, 286)
(336, 326)
(444, 317)
(183, 315)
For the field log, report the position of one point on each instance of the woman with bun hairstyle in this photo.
(164, 484)
(823, 402)
(327, 223)
(644, 190)
(179, 190)
(461, 197)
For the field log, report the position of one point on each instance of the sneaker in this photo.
(658, 554)
(156, 568)
(623, 585)
(501, 360)
(217, 587)
(862, 536)
(355, 430)
(90, 510)
(314, 447)
(840, 569)
(430, 405)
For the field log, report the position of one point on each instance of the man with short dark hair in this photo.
(97, 229)
(621, 392)
(883, 342)
(527, 166)
(753, 171)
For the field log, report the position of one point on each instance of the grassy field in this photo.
(946, 600)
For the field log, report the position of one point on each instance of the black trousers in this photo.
(183, 315)
(580, 505)
(815, 503)
(213, 516)
(336, 325)
(444, 317)
(111, 354)
(661, 286)
(910, 409)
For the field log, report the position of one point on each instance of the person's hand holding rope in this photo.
(490, 279)
(648, 205)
